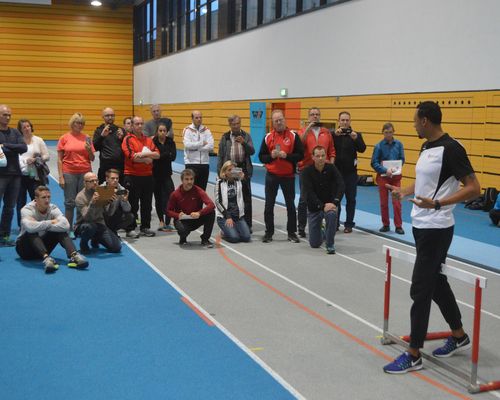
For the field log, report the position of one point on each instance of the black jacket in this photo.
(162, 167)
(346, 159)
(109, 147)
(322, 187)
(12, 145)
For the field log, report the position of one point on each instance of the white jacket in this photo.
(195, 152)
(221, 200)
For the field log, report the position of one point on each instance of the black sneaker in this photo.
(147, 232)
(84, 248)
(207, 243)
(400, 231)
(182, 241)
(385, 228)
(267, 238)
(292, 237)
(302, 233)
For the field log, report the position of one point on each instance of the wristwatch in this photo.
(437, 205)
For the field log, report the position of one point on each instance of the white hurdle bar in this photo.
(479, 282)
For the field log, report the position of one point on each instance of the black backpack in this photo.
(490, 197)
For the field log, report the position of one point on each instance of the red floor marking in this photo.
(197, 311)
(331, 324)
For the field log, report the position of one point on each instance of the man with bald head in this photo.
(11, 146)
(198, 143)
(90, 224)
(108, 142)
(151, 126)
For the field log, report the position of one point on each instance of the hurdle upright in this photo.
(479, 283)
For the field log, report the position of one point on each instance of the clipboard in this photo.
(105, 194)
(395, 166)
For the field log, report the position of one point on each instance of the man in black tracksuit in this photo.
(347, 145)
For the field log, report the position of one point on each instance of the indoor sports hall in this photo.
(254, 320)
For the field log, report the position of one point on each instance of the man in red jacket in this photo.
(280, 151)
(139, 151)
(185, 206)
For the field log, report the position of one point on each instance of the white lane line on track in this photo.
(380, 237)
(461, 302)
(242, 346)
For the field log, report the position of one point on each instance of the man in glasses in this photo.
(90, 224)
(108, 141)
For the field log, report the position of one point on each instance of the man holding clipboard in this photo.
(387, 160)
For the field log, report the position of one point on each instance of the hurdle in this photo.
(478, 282)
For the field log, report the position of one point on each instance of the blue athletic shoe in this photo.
(403, 364)
(452, 346)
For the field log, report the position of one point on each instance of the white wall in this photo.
(362, 47)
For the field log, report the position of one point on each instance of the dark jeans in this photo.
(120, 220)
(32, 246)
(495, 216)
(9, 190)
(28, 186)
(246, 187)
(163, 188)
(104, 165)
(201, 172)
(315, 235)
(273, 182)
(427, 283)
(186, 226)
(351, 189)
(301, 208)
(99, 233)
(140, 190)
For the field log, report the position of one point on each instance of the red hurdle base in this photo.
(489, 386)
(430, 336)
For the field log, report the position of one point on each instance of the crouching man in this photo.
(43, 226)
(90, 223)
(191, 208)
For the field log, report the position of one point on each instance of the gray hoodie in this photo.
(32, 221)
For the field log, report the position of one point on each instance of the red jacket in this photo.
(288, 142)
(132, 145)
(325, 139)
(188, 202)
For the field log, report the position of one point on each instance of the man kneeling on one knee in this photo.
(322, 187)
(90, 224)
(190, 207)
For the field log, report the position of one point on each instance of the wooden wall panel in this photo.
(65, 58)
(471, 117)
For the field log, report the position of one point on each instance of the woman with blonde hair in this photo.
(75, 154)
(229, 204)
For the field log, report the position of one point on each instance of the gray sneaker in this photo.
(50, 265)
(78, 261)
(132, 235)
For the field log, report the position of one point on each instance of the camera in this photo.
(346, 131)
(317, 124)
(121, 192)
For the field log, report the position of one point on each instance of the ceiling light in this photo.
(96, 3)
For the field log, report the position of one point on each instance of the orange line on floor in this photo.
(197, 311)
(331, 324)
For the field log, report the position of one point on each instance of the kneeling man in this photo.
(90, 223)
(185, 206)
(43, 226)
(322, 187)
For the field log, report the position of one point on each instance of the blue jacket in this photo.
(383, 151)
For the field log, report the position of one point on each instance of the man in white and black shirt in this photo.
(443, 164)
